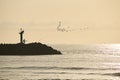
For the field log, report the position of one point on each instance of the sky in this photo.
(89, 21)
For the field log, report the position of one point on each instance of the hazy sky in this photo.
(40, 18)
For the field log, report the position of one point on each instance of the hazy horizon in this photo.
(88, 21)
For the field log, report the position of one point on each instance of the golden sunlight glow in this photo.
(83, 21)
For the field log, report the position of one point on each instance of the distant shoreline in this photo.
(27, 49)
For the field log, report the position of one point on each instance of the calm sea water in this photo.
(81, 62)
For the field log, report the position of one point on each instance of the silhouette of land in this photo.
(26, 49)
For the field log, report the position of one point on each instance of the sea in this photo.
(77, 62)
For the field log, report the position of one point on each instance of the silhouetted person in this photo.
(21, 35)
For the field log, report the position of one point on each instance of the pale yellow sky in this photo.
(39, 19)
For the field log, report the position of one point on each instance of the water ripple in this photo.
(60, 68)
